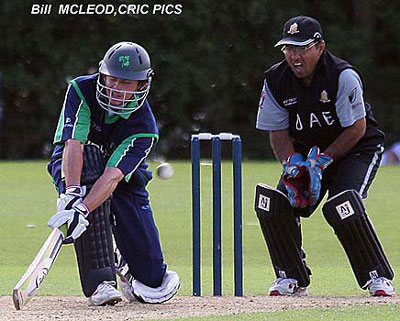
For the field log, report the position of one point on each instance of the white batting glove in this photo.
(75, 219)
(72, 196)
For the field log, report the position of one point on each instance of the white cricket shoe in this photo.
(285, 286)
(381, 287)
(125, 283)
(105, 294)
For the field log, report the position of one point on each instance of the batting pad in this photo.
(345, 213)
(281, 233)
(94, 249)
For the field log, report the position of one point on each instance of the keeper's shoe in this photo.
(381, 287)
(285, 286)
(105, 294)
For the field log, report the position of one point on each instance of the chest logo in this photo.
(294, 28)
(290, 101)
(324, 97)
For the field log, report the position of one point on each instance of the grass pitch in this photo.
(28, 201)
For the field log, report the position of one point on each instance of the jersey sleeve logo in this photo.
(353, 95)
(262, 98)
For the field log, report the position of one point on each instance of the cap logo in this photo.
(294, 28)
(124, 60)
(317, 35)
(324, 97)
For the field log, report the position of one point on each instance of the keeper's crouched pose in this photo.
(105, 132)
(328, 141)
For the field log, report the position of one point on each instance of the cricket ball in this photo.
(165, 171)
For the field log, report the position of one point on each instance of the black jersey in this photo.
(313, 113)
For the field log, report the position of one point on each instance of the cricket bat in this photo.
(34, 276)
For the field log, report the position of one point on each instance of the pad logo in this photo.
(345, 210)
(264, 203)
(282, 274)
(373, 274)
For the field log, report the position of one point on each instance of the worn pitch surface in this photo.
(77, 308)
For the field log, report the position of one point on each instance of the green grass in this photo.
(28, 197)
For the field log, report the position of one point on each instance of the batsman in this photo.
(325, 136)
(105, 132)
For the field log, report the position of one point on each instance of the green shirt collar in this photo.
(112, 118)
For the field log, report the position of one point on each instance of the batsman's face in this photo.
(120, 88)
(303, 60)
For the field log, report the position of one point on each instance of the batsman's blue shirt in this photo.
(126, 139)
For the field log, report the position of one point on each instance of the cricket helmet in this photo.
(125, 60)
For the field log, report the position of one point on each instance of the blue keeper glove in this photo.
(314, 166)
(296, 181)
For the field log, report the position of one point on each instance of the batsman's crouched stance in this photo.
(105, 132)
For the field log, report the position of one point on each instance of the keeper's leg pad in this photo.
(281, 233)
(94, 249)
(345, 213)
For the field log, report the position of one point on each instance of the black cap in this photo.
(300, 31)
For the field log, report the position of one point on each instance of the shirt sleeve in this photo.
(349, 101)
(74, 121)
(128, 156)
(271, 116)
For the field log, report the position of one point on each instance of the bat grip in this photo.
(64, 228)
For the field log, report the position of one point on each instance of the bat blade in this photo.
(34, 276)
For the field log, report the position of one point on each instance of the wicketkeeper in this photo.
(324, 134)
(104, 134)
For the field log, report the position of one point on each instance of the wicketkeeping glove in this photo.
(75, 219)
(314, 165)
(296, 182)
(73, 195)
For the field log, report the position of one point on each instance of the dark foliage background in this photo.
(209, 64)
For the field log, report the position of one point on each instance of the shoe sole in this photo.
(298, 293)
(111, 301)
(382, 293)
(275, 293)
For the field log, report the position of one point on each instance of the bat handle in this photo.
(64, 228)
